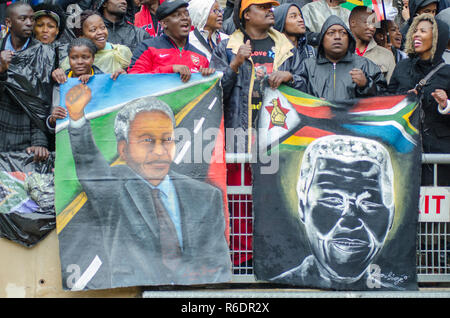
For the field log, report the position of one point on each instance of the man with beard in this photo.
(119, 30)
(362, 25)
(346, 203)
(171, 52)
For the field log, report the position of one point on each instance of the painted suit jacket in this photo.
(126, 234)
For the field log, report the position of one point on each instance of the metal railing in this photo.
(433, 238)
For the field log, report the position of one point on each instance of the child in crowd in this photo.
(81, 54)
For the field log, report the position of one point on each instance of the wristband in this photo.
(446, 109)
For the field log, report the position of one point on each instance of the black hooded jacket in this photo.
(124, 33)
(25, 96)
(332, 81)
(413, 6)
(408, 72)
(303, 49)
(237, 87)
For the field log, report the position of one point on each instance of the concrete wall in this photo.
(36, 272)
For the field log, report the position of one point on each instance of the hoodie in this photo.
(332, 81)
(413, 6)
(199, 11)
(304, 50)
(410, 71)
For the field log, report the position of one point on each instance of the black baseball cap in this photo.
(168, 7)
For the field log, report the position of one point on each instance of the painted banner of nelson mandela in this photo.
(343, 217)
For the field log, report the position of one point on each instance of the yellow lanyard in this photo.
(71, 73)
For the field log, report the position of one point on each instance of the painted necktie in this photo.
(170, 246)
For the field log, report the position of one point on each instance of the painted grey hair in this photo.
(346, 149)
(127, 114)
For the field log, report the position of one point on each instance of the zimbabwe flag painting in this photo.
(341, 210)
(140, 180)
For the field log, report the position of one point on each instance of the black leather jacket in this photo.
(332, 81)
(237, 87)
(123, 32)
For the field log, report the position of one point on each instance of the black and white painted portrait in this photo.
(346, 204)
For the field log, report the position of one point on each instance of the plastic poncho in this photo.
(27, 212)
(28, 81)
(108, 60)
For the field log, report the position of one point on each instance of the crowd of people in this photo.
(318, 47)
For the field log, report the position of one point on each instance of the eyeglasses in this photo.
(218, 11)
(166, 143)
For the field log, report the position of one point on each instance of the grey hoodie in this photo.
(332, 81)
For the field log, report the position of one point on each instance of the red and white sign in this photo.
(434, 204)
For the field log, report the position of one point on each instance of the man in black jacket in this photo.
(254, 52)
(25, 85)
(336, 73)
(120, 31)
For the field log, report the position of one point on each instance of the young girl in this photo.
(81, 59)
(110, 57)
